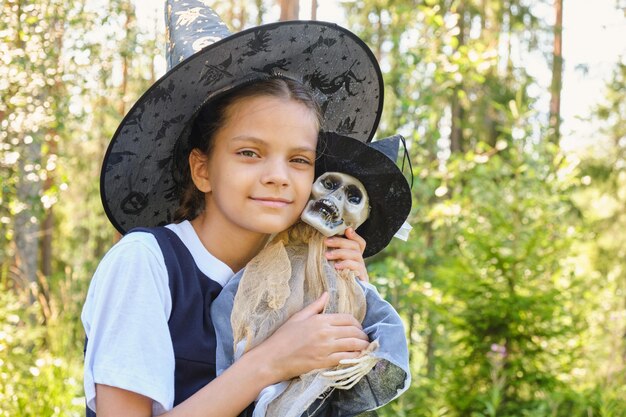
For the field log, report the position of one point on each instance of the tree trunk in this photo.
(313, 9)
(46, 238)
(57, 90)
(242, 15)
(289, 9)
(27, 226)
(380, 35)
(509, 44)
(557, 74)
(456, 109)
(26, 221)
(430, 347)
(260, 11)
(130, 15)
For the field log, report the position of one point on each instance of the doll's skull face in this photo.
(338, 201)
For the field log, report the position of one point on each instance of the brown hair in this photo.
(212, 116)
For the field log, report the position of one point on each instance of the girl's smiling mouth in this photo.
(273, 202)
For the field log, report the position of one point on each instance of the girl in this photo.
(247, 183)
(242, 163)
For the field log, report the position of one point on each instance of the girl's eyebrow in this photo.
(304, 149)
(261, 142)
(248, 139)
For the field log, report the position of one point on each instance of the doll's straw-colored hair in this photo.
(288, 274)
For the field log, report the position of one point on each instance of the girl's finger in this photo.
(339, 319)
(316, 307)
(359, 270)
(344, 254)
(351, 344)
(338, 242)
(354, 236)
(347, 332)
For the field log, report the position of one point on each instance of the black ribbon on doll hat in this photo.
(374, 164)
(205, 60)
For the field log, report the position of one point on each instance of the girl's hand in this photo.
(347, 252)
(310, 340)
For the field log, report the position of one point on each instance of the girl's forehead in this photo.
(249, 105)
(269, 118)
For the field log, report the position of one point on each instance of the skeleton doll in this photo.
(290, 273)
(338, 201)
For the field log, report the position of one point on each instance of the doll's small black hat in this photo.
(374, 164)
(205, 60)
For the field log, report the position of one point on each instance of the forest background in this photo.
(513, 282)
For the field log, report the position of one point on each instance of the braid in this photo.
(191, 202)
(202, 131)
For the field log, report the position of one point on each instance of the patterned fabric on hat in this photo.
(137, 183)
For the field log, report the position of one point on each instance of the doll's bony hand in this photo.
(347, 252)
(310, 340)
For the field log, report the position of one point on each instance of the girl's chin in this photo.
(271, 228)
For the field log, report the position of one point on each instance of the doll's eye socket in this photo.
(330, 183)
(354, 195)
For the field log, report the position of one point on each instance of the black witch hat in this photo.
(373, 164)
(205, 60)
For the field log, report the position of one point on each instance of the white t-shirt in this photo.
(126, 312)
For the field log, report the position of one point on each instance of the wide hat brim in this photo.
(388, 190)
(137, 182)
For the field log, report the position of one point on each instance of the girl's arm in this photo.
(308, 340)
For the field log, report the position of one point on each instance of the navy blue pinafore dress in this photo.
(190, 324)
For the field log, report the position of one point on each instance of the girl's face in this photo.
(261, 167)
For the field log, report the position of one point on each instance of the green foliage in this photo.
(511, 315)
(491, 304)
(37, 376)
(72, 72)
(504, 308)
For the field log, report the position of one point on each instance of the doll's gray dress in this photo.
(389, 378)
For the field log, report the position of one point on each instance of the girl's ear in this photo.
(199, 166)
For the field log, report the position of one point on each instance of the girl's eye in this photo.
(301, 161)
(248, 153)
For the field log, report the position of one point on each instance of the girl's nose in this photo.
(276, 173)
